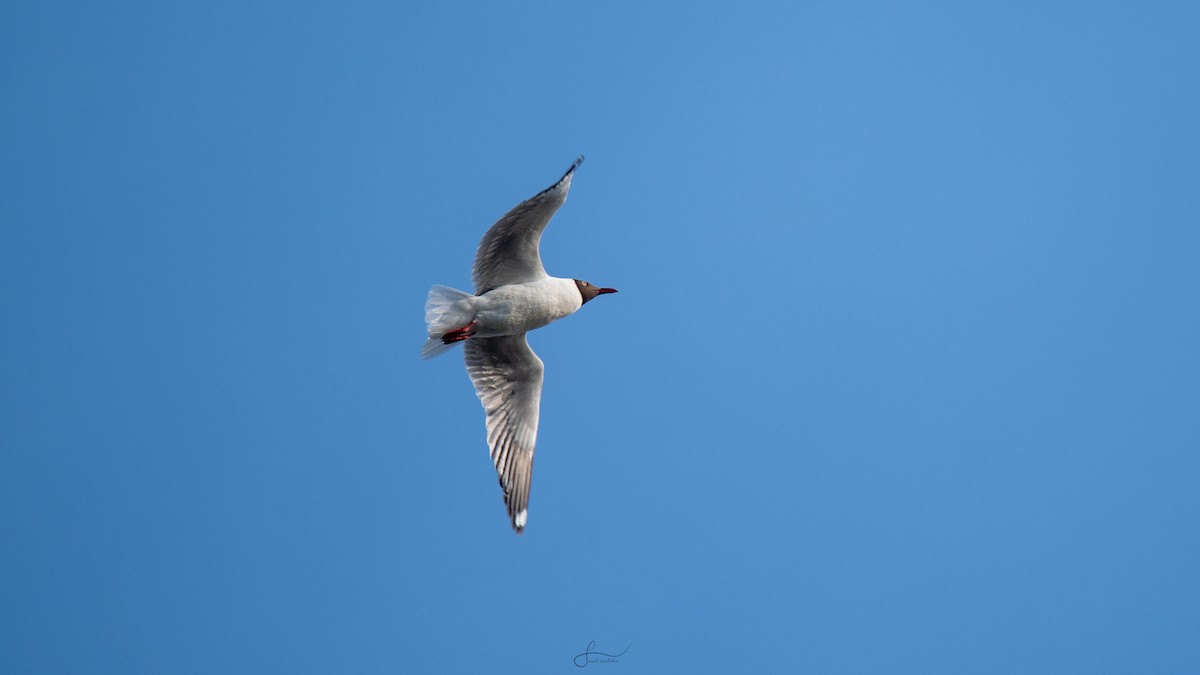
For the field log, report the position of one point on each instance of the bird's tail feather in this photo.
(445, 310)
(434, 346)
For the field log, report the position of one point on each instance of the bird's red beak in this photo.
(602, 291)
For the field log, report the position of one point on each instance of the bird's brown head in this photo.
(589, 291)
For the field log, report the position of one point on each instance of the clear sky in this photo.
(903, 376)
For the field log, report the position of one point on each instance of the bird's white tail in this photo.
(445, 310)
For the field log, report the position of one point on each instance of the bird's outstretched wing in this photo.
(508, 253)
(508, 380)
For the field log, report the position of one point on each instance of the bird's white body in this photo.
(519, 308)
(512, 309)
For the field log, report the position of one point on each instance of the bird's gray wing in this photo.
(508, 380)
(508, 253)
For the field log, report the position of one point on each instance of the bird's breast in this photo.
(518, 308)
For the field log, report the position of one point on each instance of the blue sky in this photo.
(903, 375)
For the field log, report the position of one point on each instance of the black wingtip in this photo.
(574, 165)
(565, 176)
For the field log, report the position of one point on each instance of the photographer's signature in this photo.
(590, 655)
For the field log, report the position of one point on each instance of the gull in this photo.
(513, 295)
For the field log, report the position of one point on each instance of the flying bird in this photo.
(513, 295)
